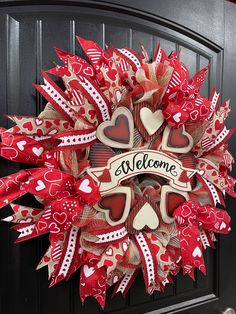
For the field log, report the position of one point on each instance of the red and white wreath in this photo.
(131, 164)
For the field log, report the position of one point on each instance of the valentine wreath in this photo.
(131, 165)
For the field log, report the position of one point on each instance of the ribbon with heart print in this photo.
(65, 200)
(191, 219)
(182, 100)
(131, 163)
(155, 260)
(93, 283)
(48, 184)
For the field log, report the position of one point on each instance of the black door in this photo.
(205, 31)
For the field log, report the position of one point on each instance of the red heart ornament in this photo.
(118, 132)
(115, 204)
(177, 140)
(170, 200)
(105, 176)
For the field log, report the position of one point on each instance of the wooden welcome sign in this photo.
(126, 165)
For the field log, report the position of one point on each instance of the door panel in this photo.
(28, 35)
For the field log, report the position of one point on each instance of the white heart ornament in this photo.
(152, 121)
(146, 217)
(197, 252)
(84, 186)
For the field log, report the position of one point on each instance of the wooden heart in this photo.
(146, 217)
(148, 123)
(170, 200)
(152, 121)
(143, 216)
(177, 140)
(119, 132)
(115, 205)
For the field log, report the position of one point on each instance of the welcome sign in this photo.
(126, 165)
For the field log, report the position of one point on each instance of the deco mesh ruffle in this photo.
(131, 165)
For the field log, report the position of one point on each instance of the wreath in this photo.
(131, 164)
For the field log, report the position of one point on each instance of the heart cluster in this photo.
(131, 165)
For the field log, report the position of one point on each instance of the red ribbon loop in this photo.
(191, 218)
